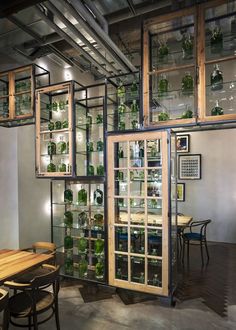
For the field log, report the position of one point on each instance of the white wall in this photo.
(214, 196)
(9, 219)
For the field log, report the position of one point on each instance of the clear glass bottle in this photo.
(187, 84)
(62, 166)
(68, 196)
(83, 266)
(82, 244)
(68, 219)
(99, 245)
(100, 169)
(82, 219)
(90, 169)
(217, 110)
(134, 89)
(141, 278)
(82, 196)
(100, 145)
(61, 146)
(51, 167)
(163, 85)
(52, 149)
(99, 269)
(98, 196)
(216, 79)
(58, 124)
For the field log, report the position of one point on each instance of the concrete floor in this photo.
(113, 314)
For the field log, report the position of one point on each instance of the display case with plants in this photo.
(17, 98)
(78, 228)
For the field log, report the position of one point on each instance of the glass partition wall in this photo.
(139, 188)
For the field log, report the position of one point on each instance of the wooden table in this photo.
(183, 220)
(15, 262)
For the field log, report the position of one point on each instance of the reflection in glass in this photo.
(121, 210)
(155, 242)
(154, 272)
(121, 267)
(137, 240)
(121, 239)
(137, 269)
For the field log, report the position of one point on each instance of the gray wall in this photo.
(214, 196)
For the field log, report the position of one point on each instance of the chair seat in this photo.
(27, 277)
(20, 304)
(193, 237)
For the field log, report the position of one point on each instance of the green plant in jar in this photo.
(51, 167)
(187, 84)
(82, 219)
(65, 124)
(217, 110)
(121, 126)
(134, 89)
(98, 196)
(83, 266)
(68, 240)
(51, 126)
(57, 124)
(216, 79)
(100, 169)
(52, 148)
(90, 146)
(82, 196)
(68, 196)
(82, 244)
(100, 145)
(99, 269)
(163, 85)
(187, 114)
(122, 108)
(216, 40)
(54, 106)
(90, 169)
(68, 263)
(62, 105)
(98, 219)
(134, 106)
(68, 219)
(99, 119)
(134, 124)
(62, 166)
(61, 146)
(49, 107)
(187, 46)
(163, 51)
(99, 245)
(163, 116)
(121, 90)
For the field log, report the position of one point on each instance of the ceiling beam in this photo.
(9, 7)
(131, 6)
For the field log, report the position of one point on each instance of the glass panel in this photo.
(4, 85)
(155, 242)
(123, 102)
(154, 212)
(4, 107)
(121, 210)
(81, 139)
(136, 151)
(172, 43)
(221, 88)
(121, 239)
(120, 154)
(154, 272)
(154, 156)
(220, 31)
(136, 182)
(121, 188)
(121, 272)
(137, 270)
(23, 103)
(41, 77)
(137, 240)
(137, 211)
(172, 95)
(54, 133)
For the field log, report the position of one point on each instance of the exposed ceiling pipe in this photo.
(93, 35)
(105, 37)
(33, 34)
(70, 40)
(46, 40)
(139, 11)
(97, 14)
(73, 29)
(131, 6)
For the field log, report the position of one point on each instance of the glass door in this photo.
(138, 212)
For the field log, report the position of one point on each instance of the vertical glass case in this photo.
(170, 69)
(78, 228)
(124, 102)
(139, 214)
(17, 100)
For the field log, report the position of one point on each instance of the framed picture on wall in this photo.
(189, 167)
(183, 143)
(180, 192)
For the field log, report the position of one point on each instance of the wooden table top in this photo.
(14, 262)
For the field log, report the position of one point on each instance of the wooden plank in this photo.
(11, 96)
(170, 69)
(146, 76)
(53, 88)
(173, 122)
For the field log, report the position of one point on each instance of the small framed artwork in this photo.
(183, 143)
(189, 167)
(180, 192)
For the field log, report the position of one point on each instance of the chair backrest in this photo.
(52, 277)
(45, 246)
(202, 225)
(4, 295)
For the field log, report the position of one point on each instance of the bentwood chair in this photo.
(34, 298)
(196, 236)
(4, 295)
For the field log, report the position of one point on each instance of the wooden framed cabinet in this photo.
(17, 101)
(141, 211)
(189, 66)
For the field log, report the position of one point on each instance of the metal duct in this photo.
(70, 40)
(74, 30)
(106, 40)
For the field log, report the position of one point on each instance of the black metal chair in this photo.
(34, 298)
(194, 237)
(4, 295)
